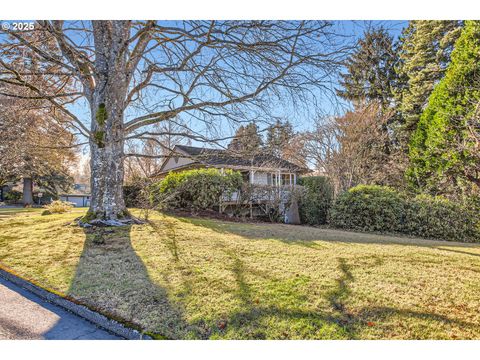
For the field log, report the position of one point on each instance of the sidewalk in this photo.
(23, 315)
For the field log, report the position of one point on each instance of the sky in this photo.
(301, 118)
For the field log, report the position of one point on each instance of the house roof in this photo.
(228, 158)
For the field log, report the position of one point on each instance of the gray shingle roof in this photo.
(217, 157)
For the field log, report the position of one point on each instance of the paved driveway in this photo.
(24, 315)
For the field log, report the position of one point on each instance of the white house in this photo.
(78, 200)
(260, 169)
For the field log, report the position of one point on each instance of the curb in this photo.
(96, 318)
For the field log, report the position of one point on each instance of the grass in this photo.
(11, 211)
(189, 278)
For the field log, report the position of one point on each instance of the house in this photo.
(78, 200)
(260, 170)
(79, 195)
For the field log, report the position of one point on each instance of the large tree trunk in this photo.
(27, 191)
(107, 156)
(107, 180)
(107, 104)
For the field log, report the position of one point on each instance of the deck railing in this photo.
(257, 193)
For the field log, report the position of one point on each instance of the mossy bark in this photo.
(107, 158)
(107, 104)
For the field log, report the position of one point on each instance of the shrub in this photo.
(57, 207)
(13, 196)
(377, 208)
(133, 195)
(368, 208)
(316, 199)
(437, 217)
(46, 198)
(198, 189)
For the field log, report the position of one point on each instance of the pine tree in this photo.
(370, 71)
(424, 51)
(370, 79)
(247, 140)
(444, 149)
(279, 136)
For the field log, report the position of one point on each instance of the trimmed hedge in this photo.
(439, 218)
(198, 189)
(377, 208)
(315, 200)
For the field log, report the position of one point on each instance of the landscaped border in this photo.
(80, 310)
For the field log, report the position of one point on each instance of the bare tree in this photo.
(322, 147)
(350, 149)
(35, 146)
(154, 147)
(133, 74)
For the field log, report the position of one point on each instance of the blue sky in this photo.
(302, 119)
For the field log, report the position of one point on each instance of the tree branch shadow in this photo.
(308, 236)
(459, 251)
(111, 278)
(340, 322)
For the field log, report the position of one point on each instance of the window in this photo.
(272, 179)
(286, 179)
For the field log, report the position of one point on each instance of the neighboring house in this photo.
(78, 200)
(79, 197)
(260, 169)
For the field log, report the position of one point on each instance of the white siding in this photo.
(77, 201)
(260, 178)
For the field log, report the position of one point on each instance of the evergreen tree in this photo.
(279, 136)
(370, 71)
(370, 79)
(424, 53)
(247, 140)
(444, 149)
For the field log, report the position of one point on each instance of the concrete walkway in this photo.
(23, 315)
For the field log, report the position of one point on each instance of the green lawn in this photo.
(197, 278)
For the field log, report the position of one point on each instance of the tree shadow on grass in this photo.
(170, 235)
(337, 322)
(459, 251)
(307, 235)
(111, 278)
